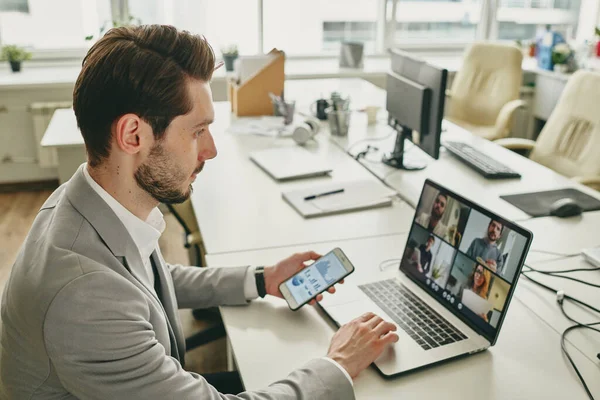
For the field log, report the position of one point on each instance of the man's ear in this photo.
(130, 133)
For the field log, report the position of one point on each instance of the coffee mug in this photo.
(318, 109)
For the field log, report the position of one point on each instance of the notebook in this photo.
(356, 195)
(290, 163)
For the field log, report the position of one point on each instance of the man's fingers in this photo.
(390, 337)
(319, 297)
(373, 322)
(341, 282)
(331, 290)
(309, 255)
(384, 327)
(366, 316)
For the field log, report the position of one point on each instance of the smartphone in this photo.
(316, 278)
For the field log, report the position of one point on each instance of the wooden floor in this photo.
(17, 212)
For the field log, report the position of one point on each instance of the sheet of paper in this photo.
(262, 126)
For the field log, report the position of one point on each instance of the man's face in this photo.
(429, 243)
(494, 231)
(439, 206)
(173, 162)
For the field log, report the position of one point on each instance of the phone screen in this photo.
(315, 278)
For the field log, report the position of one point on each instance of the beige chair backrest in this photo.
(570, 140)
(490, 77)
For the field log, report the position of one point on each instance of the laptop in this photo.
(445, 303)
(285, 163)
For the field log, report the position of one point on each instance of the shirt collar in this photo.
(145, 234)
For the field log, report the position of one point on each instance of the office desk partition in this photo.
(526, 362)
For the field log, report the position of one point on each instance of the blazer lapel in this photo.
(169, 302)
(114, 234)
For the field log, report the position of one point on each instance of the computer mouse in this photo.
(566, 207)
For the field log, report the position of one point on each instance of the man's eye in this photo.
(198, 133)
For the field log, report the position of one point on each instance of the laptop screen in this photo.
(465, 256)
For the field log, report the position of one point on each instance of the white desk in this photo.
(63, 135)
(526, 362)
(565, 236)
(544, 304)
(448, 170)
(239, 207)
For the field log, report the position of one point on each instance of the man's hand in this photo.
(358, 343)
(491, 264)
(284, 269)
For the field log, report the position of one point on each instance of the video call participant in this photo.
(425, 259)
(479, 283)
(433, 221)
(487, 248)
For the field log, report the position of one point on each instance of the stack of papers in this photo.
(356, 195)
(262, 126)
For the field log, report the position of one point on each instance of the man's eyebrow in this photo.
(207, 121)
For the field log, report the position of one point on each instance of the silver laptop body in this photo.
(423, 295)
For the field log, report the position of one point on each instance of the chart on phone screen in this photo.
(315, 278)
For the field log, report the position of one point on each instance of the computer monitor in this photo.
(415, 102)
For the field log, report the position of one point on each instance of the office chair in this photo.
(192, 240)
(570, 141)
(485, 91)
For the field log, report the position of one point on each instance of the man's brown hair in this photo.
(140, 70)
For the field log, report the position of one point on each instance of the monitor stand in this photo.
(397, 158)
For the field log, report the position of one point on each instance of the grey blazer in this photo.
(78, 322)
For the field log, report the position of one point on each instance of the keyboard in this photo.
(480, 161)
(425, 326)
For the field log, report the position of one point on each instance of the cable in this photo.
(564, 271)
(552, 253)
(375, 139)
(560, 296)
(524, 273)
(563, 277)
(563, 337)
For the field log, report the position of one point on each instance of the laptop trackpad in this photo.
(344, 313)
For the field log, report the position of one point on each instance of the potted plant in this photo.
(597, 32)
(230, 53)
(15, 56)
(561, 55)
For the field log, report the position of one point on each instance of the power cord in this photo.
(578, 325)
(560, 297)
(553, 253)
(554, 273)
(375, 139)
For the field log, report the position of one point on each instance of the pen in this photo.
(314, 196)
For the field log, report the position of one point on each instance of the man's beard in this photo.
(161, 179)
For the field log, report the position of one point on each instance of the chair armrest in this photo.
(589, 181)
(516, 143)
(505, 116)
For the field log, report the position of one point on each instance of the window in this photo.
(316, 26)
(223, 22)
(524, 19)
(436, 21)
(299, 27)
(54, 24)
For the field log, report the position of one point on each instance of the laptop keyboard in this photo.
(417, 319)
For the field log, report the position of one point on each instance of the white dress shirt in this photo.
(145, 235)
